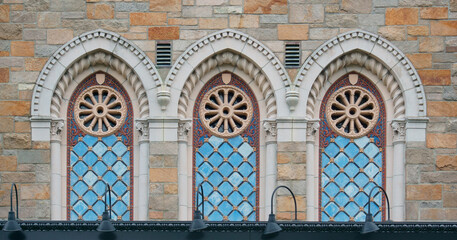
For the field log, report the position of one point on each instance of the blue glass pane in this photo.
(341, 160)
(341, 141)
(80, 168)
(215, 141)
(90, 140)
(245, 150)
(235, 141)
(235, 216)
(99, 149)
(351, 150)
(80, 149)
(236, 159)
(341, 217)
(110, 140)
(119, 149)
(90, 197)
(225, 150)
(371, 150)
(90, 158)
(362, 142)
(109, 158)
(205, 150)
(235, 179)
(332, 149)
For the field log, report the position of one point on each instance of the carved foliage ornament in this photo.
(100, 111)
(226, 111)
(352, 111)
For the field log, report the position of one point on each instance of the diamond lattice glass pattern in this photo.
(92, 160)
(349, 170)
(227, 167)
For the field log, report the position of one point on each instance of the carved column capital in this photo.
(399, 130)
(184, 127)
(142, 125)
(57, 126)
(270, 127)
(312, 127)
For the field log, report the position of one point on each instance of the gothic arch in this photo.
(234, 48)
(376, 54)
(82, 52)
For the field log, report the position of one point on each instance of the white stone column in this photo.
(57, 126)
(271, 150)
(398, 188)
(184, 127)
(312, 126)
(143, 180)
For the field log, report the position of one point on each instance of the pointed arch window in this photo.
(352, 146)
(99, 149)
(225, 149)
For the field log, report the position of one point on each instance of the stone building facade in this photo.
(83, 100)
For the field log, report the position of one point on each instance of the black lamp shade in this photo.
(197, 223)
(106, 225)
(272, 226)
(12, 225)
(369, 226)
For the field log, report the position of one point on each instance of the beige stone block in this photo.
(418, 30)
(4, 13)
(393, 33)
(22, 127)
(16, 141)
(423, 192)
(6, 124)
(182, 21)
(163, 33)
(306, 13)
(100, 11)
(135, 36)
(35, 191)
(446, 163)
(8, 163)
(22, 48)
(49, 19)
(244, 21)
(59, 36)
(435, 77)
(286, 203)
(155, 214)
(291, 171)
(431, 44)
(165, 5)
(421, 60)
(212, 23)
(14, 108)
(293, 32)
(402, 16)
(210, 2)
(443, 28)
(4, 75)
(432, 214)
(356, 6)
(163, 174)
(265, 6)
(41, 145)
(171, 189)
(192, 34)
(322, 33)
(34, 64)
(434, 13)
(149, 19)
(18, 177)
(451, 214)
(442, 140)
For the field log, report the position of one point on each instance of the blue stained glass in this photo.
(325, 217)
(332, 170)
(235, 179)
(215, 198)
(225, 169)
(332, 189)
(341, 160)
(216, 159)
(90, 140)
(252, 159)
(360, 217)
(80, 149)
(245, 208)
(73, 215)
(351, 170)
(235, 141)
(80, 168)
(205, 150)
(90, 178)
(325, 160)
(351, 189)
(80, 207)
(110, 177)
(73, 198)
(371, 170)
(331, 209)
(119, 149)
(378, 159)
(119, 168)
(351, 150)
(90, 158)
(205, 169)
(236, 159)
(245, 150)
(109, 158)
(361, 180)
(216, 216)
(99, 168)
(245, 189)
(109, 140)
(341, 199)
(341, 179)
(198, 159)
(126, 197)
(90, 216)
(225, 150)
(119, 187)
(361, 160)
(99, 149)
(362, 142)
(251, 179)
(80, 188)
(332, 149)
(215, 178)
(215, 141)
(235, 216)
(361, 198)
(245, 169)
(73, 158)
(126, 158)
(99, 187)
(352, 209)
(126, 216)
(90, 197)
(119, 208)
(324, 199)
(73, 178)
(235, 198)
(341, 141)
(371, 150)
(341, 217)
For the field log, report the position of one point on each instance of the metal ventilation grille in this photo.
(163, 54)
(292, 55)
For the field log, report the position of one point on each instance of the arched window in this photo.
(99, 149)
(225, 149)
(352, 146)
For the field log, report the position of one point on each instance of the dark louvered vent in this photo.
(163, 54)
(293, 55)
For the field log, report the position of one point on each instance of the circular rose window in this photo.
(352, 111)
(225, 111)
(100, 111)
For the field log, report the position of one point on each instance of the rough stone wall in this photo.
(426, 30)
